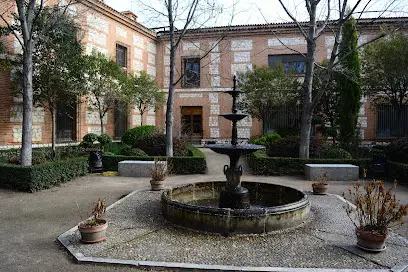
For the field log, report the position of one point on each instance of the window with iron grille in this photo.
(389, 124)
(121, 55)
(66, 122)
(291, 63)
(191, 68)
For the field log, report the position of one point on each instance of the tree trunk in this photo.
(101, 119)
(53, 131)
(170, 99)
(27, 137)
(307, 109)
(141, 118)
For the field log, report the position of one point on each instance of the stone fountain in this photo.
(233, 195)
(235, 207)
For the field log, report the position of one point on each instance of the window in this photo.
(66, 122)
(121, 56)
(291, 63)
(191, 68)
(388, 123)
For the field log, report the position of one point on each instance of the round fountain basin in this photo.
(273, 207)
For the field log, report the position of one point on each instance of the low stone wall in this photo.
(331, 172)
(136, 168)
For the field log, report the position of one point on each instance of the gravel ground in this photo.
(138, 232)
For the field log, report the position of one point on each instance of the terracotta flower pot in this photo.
(319, 189)
(157, 185)
(371, 241)
(93, 234)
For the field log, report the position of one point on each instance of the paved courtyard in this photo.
(30, 223)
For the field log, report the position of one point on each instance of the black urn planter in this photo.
(95, 160)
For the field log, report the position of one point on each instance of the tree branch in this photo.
(188, 21)
(294, 20)
(13, 31)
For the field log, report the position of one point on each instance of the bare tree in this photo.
(187, 14)
(311, 31)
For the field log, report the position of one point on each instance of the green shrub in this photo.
(127, 150)
(398, 171)
(336, 153)
(261, 164)
(43, 154)
(285, 147)
(69, 151)
(88, 140)
(194, 163)
(366, 152)
(104, 139)
(132, 136)
(114, 148)
(108, 153)
(41, 176)
(397, 151)
(155, 145)
(266, 140)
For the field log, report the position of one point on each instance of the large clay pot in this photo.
(157, 185)
(371, 241)
(319, 189)
(93, 234)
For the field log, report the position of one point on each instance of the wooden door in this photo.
(192, 123)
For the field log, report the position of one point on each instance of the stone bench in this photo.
(339, 172)
(136, 168)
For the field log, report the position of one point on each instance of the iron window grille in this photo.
(191, 71)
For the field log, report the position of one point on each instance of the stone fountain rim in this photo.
(302, 203)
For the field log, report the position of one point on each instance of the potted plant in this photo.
(93, 230)
(320, 187)
(158, 174)
(376, 209)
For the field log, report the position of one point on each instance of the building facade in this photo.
(205, 63)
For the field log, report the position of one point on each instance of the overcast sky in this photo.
(258, 11)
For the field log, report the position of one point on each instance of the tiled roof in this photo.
(285, 25)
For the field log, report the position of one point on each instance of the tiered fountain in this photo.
(229, 208)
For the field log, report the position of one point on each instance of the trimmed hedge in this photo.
(195, 163)
(44, 154)
(41, 176)
(261, 164)
(398, 171)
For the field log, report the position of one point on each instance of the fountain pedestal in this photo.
(238, 199)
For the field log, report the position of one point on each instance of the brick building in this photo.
(211, 55)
